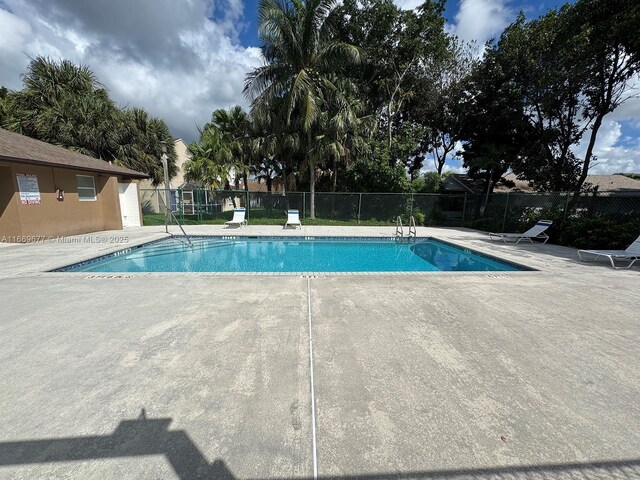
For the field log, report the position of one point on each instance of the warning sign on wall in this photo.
(29, 191)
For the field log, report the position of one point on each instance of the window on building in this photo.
(86, 188)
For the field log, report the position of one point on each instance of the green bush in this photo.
(599, 232)
(419, 218)
(438, 217)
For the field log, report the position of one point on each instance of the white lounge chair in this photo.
(293, 219)
(631, 254)
(238, 219)
(535, 232)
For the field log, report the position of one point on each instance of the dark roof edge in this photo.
(125, 172)
(461, 183)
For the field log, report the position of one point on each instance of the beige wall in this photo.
(182, 155)
(52, 217)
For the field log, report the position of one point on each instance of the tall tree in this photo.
(302, 51)
(139, 143)
(235, 126)
(540, 58)
(64, 104)
(568, 70)
(210, 156)
(494, 126)
(398, 44)
(343, 127)
(4, 105)
(439, 98)
(610, 55)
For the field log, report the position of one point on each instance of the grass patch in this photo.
(257, 217)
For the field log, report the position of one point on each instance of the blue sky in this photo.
(532, 8)
(182, 59)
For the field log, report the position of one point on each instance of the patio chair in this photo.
(535, 232)
(238, 219)
(631, 254)
(293, 219)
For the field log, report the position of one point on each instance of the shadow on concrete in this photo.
(133, 438)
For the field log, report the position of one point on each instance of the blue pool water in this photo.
(239, 254)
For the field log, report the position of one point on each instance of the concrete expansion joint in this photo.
(312, 385)
(109, 276)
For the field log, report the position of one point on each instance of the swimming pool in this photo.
(294, 255)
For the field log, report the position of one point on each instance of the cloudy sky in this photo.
(181, 59)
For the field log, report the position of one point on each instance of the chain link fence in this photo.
(589, 220)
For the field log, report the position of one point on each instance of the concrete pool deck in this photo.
(438, 375)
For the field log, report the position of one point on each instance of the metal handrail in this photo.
(175, 219)
(399, 228)
(183, 232)
(412, 227)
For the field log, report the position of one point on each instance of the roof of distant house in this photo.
(22, 149)
(461, 182)
(256, 186)
(614, 183)
(605, 183)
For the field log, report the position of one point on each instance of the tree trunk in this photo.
(244, 180)
(589, 155)
(334, 186)
(312, 188)
(269, 181)
(439, 162)
(586, 164)
(312, 180)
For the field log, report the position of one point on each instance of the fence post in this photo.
(464, 208)
(180, 201)
(566, 207)
(304, 203)
(506, 207)
(411, 208)
(197, 204)
(359, 206)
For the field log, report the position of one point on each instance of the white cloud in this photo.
(481, 20)
(163, 55)
(611, 156)
(408, 4)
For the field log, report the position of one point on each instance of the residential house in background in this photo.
(152, 196)
(187, 198)
(462, 183)
(615, 183)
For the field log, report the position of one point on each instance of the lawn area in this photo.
(256, 217)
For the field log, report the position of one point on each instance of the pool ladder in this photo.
(400, 228)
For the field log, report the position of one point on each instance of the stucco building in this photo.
(49, 191)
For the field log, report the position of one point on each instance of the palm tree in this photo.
(302, 50)
(64, 104)
(139, 145)
(209, 163)
(235, 126)
(343, 126)
(275, 143)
